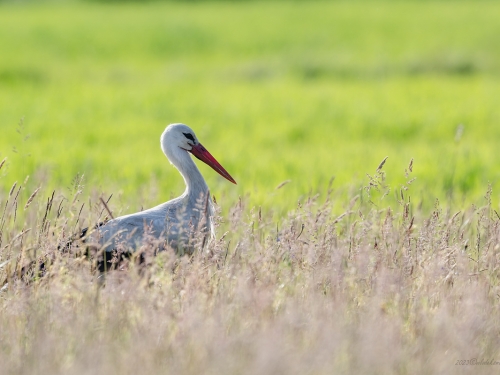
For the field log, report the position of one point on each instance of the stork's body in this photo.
(179, 222)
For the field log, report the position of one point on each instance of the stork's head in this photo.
(180, 136)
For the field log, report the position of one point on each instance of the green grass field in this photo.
(299, 91)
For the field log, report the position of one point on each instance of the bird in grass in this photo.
(175, 224)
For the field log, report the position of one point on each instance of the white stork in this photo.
(177, 222)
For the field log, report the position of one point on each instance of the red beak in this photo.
(202, 153)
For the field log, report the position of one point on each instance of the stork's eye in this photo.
(189, 136)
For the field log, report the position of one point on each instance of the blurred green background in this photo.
(276, 90)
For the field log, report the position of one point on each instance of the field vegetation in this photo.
(327, 260)
(369, 290)
(299, 91)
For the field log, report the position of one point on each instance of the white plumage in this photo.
(178, 222)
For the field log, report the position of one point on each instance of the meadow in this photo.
(300, 91)
(326, 260)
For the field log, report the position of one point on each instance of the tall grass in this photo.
(371, 289)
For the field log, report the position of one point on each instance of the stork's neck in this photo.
(196, 187)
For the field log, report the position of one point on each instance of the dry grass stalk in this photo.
(30, 199)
